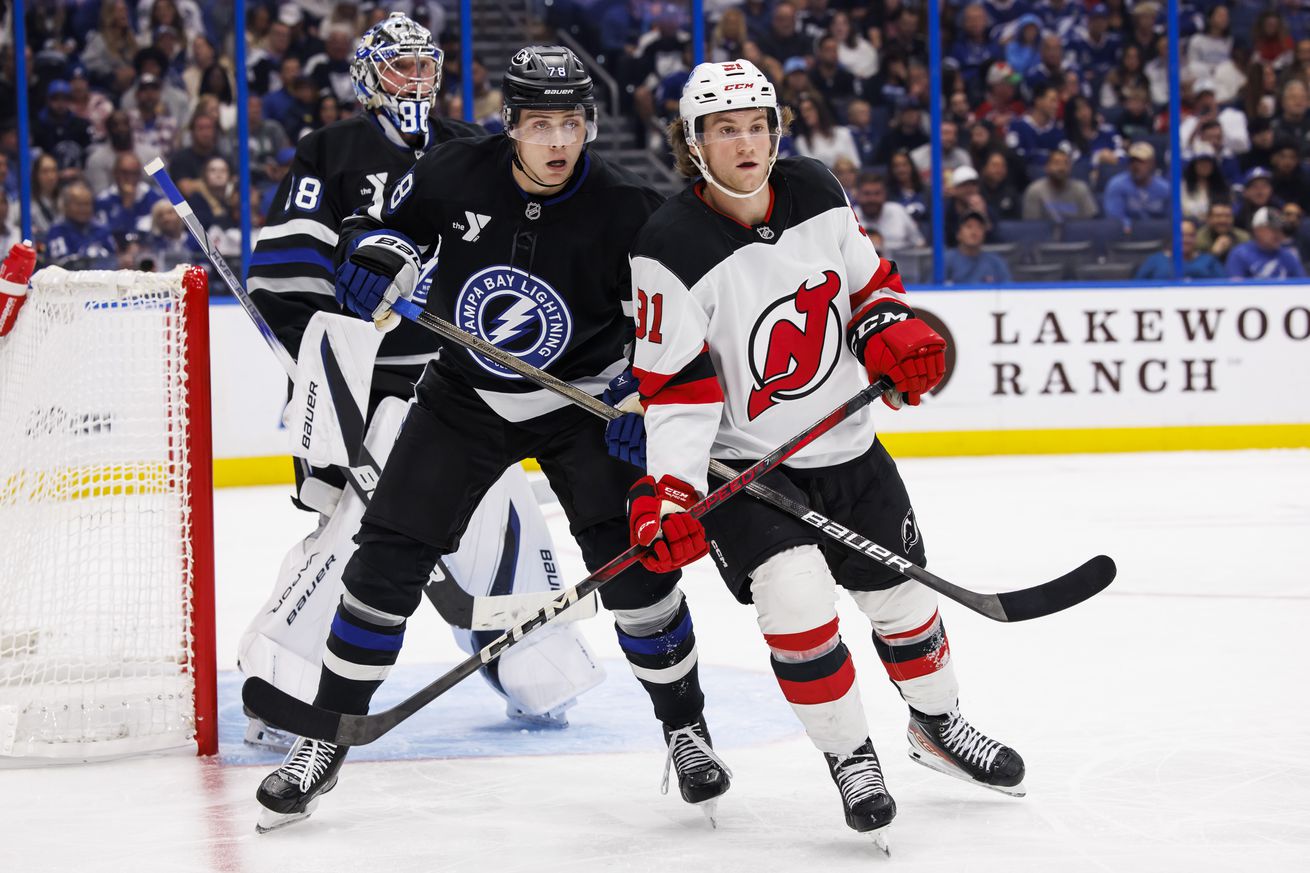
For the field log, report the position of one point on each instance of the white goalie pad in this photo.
(325, 418)
(505, 564)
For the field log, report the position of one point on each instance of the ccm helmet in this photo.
(725, 87)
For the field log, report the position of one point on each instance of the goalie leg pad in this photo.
(547, 671)
(911, 641)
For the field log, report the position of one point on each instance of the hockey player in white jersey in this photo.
(507, 548)
(759, 302)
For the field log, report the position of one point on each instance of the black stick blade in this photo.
(1059, 594)
(289, 713)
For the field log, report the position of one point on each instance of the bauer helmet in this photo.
(725, 87)
(547, 77)
(397, 71)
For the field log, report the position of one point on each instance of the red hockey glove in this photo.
(893, 342)
(14, 275)
(657, 518)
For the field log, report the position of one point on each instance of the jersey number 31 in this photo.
(650, 315)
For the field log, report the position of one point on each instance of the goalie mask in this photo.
(727, 87)
(397, 71)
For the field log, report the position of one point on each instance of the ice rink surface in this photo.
(1165, 724)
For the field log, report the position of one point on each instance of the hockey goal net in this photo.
(106, 531)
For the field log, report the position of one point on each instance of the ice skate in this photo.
(702, 775)
(291, 792)
(949, 744)
(869, 808)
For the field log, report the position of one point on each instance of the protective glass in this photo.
(727, 129)
(554, 127)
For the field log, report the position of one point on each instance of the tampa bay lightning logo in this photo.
(516, 312)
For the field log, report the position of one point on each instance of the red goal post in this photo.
(106, 518)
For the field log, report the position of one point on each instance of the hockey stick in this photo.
(294, 715)
(1058, 594)
(364, 477)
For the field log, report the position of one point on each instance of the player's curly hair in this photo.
(682, 161)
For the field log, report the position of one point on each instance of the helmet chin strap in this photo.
(523, 169)
(704, 167)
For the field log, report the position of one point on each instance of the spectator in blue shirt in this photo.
(1023, 51)
(1139, 193)
(1196, 264)
(124, 207)
(1096, 47)
(975, 49)
(1038, 133)
(78, 235)
(1264, 256)
(968, 264)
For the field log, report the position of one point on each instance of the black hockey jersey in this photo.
(336, 170)
(740, 331)
(545, 278)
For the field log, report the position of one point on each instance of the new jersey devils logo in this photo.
(794, 345)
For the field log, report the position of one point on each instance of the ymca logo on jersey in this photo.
(794, 345)
(516, 312)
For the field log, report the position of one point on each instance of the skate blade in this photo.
(933, 762)
(271, 821)
(710, 809)
(879, 837)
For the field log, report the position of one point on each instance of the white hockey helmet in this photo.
(724, 87)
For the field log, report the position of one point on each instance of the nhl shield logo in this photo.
(533, 211)
(516, 312)
(765, 231)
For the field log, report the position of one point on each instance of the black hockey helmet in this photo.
(547, 77)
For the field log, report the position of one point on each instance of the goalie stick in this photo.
(483, 612)
(1058, 594)
(291, 714)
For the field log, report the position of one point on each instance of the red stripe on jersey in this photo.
(824, 690)
(803, 641)
(650, 383)
(921, 629)
(885, 278)
(699, 190)
(925, 666)
(701, 391)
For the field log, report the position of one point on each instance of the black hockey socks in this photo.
(361, 649)
(665, 663)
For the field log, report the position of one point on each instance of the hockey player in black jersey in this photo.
(534, 232)
(507, 548)
(759, 301)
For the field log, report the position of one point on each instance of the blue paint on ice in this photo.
(744, 708)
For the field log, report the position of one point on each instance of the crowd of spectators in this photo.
(1056, 116)
(1055, 111)
(115, 83)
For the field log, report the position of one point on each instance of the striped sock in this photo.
(360, 653)
(665, 664)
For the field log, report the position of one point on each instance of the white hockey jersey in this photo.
(741, 331)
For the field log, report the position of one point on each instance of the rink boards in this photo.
(1040, 370)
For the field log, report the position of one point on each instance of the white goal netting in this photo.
(98, 520)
